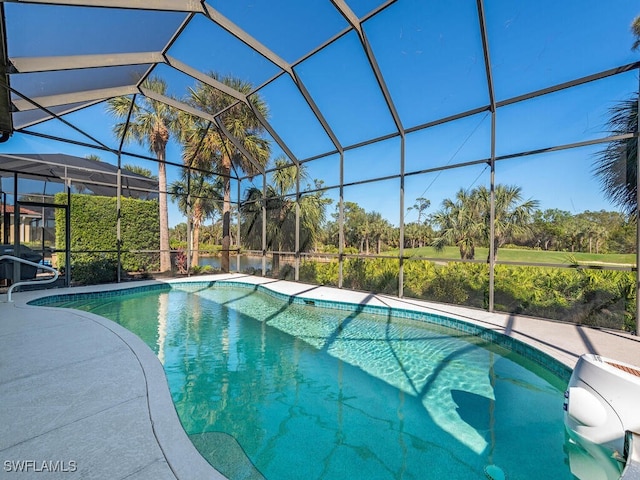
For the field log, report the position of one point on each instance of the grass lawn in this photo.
(533, 256)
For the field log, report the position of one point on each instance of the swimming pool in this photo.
(279, 389)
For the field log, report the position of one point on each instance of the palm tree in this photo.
(151, 124)
(379, 229)
(616, 165)
(513, 217)
(208, 149)
(145, 172)
(205, 199)
(467, 220)
(281, 217)
(460, 222)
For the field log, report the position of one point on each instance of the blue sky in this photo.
(431, 58)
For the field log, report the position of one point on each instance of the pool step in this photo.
(632, 454)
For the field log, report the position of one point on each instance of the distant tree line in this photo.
(462, 221)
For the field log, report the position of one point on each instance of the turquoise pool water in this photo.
(277, 390)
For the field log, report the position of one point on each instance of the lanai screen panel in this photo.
(387, 105)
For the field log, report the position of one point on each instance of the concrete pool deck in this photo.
(85, 397)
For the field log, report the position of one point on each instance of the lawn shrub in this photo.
(90, 270)
(418, 275)
(603, 298)
(319, 273)
(379, 275)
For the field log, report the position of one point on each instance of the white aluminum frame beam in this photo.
(48, 116)
(175, 104)
(239, 146)
(163, 5)
(73, 62)
(48, 101)
(349, 16)
(355, 23)
(222, 21)
(204, 78)
(212, 82)
(276, 137)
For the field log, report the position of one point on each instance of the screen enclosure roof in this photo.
(335, 74)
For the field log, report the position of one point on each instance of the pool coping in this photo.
(563, 343)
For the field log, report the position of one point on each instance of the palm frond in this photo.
(615, 165)
(635, 29)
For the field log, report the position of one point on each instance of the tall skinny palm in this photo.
(209, 149)
(205, 196)
(151, 124)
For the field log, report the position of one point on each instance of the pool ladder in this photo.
(28, 282)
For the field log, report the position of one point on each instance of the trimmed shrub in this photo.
(94, 235)
(89, 270)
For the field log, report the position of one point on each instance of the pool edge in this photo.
(181, 455)
(490, 334)
(182, 458)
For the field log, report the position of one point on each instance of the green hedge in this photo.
(93, 230)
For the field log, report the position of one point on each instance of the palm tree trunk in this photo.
(196, 244)
(226, 217)
(165, 254)
(197, 219)
(275, 262)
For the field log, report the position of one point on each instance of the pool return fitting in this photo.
(493, 472)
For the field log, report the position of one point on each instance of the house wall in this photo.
(26, 229)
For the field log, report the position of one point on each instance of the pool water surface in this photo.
(278, 390)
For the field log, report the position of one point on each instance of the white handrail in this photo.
(28, 282)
